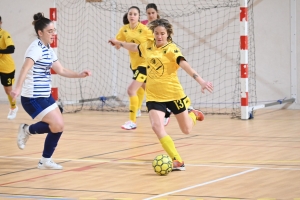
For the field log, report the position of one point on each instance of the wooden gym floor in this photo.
(225, 159)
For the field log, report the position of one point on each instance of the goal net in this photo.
(207, 32)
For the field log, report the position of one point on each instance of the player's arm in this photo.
(60, 70)
(28, 63)
(189, 70)
(129, 46)
(9, 50)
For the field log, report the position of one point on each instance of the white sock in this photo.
(27, 130)
(45, 159)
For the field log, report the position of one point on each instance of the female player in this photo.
(138, 33)
(152, 14)
(7, 68)
(34, 82)
(164, 58)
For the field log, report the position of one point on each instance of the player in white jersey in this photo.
(35, 83)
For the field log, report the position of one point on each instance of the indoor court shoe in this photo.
(178, 166)
(166, 121)
(12, 113)
(129, 125)
(198, 113)
(48, 164)
(22, 136)
(138, 113)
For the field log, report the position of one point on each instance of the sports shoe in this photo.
(166, 121)
(178, 166)
(22, 136)
(129, 125)
(138, 113)
(12, 113)
(198, 113)
(48, 164)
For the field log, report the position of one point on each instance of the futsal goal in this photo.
(207, 32)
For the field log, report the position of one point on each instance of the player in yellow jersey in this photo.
(7, 68)
(134, 32)
(152, 14)
(164, 59)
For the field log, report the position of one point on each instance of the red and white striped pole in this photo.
(244, 58)
(54, 89)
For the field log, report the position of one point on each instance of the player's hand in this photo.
(15, 93)
(206, 85)
(85, 73)
(115, 43)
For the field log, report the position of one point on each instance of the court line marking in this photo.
(203, 184)
(35, 197)
(146, 163)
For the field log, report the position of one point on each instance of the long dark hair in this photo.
(40, 22)
(153, 5)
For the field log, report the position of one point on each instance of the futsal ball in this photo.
(162, 165)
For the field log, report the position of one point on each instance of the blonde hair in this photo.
(164, 23)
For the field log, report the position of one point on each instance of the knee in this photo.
(131, 92)
(156, 127)
(7, 90)
(57, 127)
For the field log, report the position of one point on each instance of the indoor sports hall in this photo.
(246, 148)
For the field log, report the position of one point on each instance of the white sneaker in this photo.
(45, 163)
(12, 113)
(129, 125)
(138, 113)
(22, 136)
(166, 121)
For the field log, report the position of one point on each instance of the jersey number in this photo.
(9, 81)
(179, 104)
(136, 73)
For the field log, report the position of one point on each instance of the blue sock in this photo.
(39, 128)
(50, 144)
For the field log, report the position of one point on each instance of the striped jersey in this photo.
(38, 79)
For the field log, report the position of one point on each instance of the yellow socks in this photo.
(193, 117)
(169, 146)
(140, 93)
(12, 103)
(133, 107)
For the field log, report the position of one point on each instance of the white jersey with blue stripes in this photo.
(38, 79)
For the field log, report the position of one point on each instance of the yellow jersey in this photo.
(7, 64)
(162, 65)
(138, 35)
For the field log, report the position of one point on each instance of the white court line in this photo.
(202, 184)
(243, 167)
(146, 163)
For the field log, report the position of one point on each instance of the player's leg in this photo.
(51, 123)
(188, 116)
(56, 124)
(133, 105)
(168, 111)
(140, 94)
(156, 115)
(7, 81)
(139, 78)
